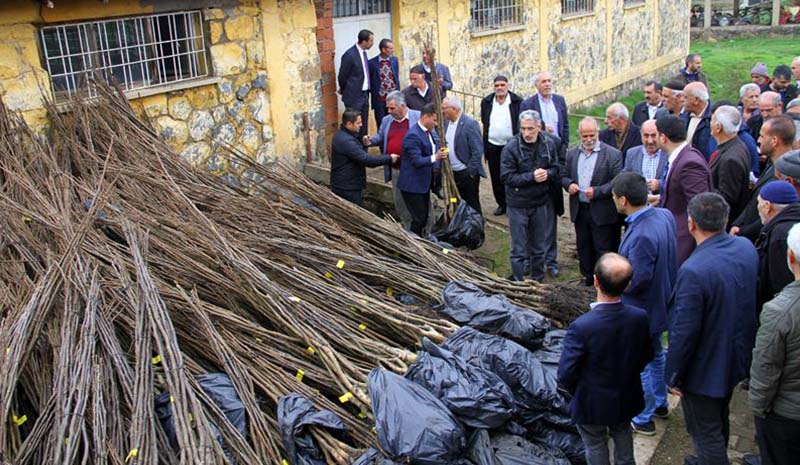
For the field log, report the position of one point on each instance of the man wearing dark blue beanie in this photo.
(779, 210)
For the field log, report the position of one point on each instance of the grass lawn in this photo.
(727, 64)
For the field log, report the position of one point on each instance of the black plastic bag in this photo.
(412, 424)
(535, 389)
(477, 397)
(514, 450)
(553, 343)
(493, 314)
(465, 228)
(373, 457)
(569, 443)
(295, 413)
(480, 450)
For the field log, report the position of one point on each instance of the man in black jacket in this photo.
(349, 159)
(730, 163)
(500, 118)
(528, 162)
(653, 101)
(779, 211)
(621, 133)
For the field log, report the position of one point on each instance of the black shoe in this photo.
(554, 271)
(499, 211)
(662, 412)
(646, 429)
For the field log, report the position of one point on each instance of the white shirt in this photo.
(430, 138)
(651, 110)
(425, 92)
(694, 121)
(500, 129)
(365, 66)
(549, 113)
(450, 136)
(672, 157)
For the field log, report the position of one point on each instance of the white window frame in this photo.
(495, 15)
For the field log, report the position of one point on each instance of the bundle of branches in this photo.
(127, 273)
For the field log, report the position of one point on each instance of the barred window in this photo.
(133, 52)
(486, 15)
(576, 7)
(633, 2)
(343, 8)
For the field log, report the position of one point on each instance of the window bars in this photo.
(576, 7)
(494, 14)
(134, 52)
(343, 8)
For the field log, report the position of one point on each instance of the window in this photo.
(576, 7)
(134, 53)
(633, 2)
(342, 8)
(486, 15)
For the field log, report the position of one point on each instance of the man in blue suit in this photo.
(384, 74)
(604, 352)
(353, 77)
(465, 145)
(712, 326)
(647, 159)
(651, 246)
(421, 152)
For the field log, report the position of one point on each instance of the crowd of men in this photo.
(707, 194)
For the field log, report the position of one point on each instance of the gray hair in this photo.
(530, 115)
(700, 93)
(749, 87)
(776, 97)
(453, 102)
(589, 119)
(729, 118)
(397, 97)
(619, 110)
(793, 240)
(793, 103)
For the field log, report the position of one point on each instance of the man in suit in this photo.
(620, 133)
(529, 162)
(553, 110)
(693, 70)
(393, 129)
(442, 71)
(674, 100)
(730, 164)
(587, 178)
(603, 353)
(698, 118)
(349, 159)
(647, 159)
(779, 210)
(384, 73)
(418, 93)
(776, 139)
(421, 152)
(653, 100)
(649, 244)
(465, 151)
(769, 105)
(353, 77)
(686, 175)
(712, 326)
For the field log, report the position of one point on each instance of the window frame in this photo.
(492, 26)
(589, 10)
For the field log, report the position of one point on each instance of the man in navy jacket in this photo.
(650, 245)
(354, 78)
(384, 75)
(465, 146)
(604, 352)
(712, 325)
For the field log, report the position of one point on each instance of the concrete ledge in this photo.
(737, 32)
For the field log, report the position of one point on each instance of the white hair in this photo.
(699, 92)
(749, 87)
(530, 115)
(397, 97)
(453, 102)
(729, 118)
(619, 110)
(793, 240)
(793, 103)
(588, 119)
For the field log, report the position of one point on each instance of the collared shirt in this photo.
(651, 110)
(364, 66)
(670, 162)
(595, 304)
(450, 136)
(423, 94)
(586, 164)
(430, 139)
(549, 113)
(635, 215)
(500, 129)
(650, 164)
(693, 123)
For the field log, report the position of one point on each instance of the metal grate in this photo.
(134, 53)
(486, 15)
(632, 2)
(343, 8)
(576, 7)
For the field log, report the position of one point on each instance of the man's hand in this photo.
(540, 175)
(366, 141)
(653, 185)
(653, 200)
(550, 129)
(675, 391)
(589, 193)
(573, 189)
(734, 231)
(395, 157)
(441, 154)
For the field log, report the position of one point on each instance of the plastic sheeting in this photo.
(295, 414)
(412, 424)
(507, 449)
(569, 443)
(477, 397)
(465, 228)
(494, 314)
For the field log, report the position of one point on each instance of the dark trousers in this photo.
(379, 108)
(492, 153)
(530, 236)
(595, 439)
(778, 439)
(468, 188)
(707, 423)
(593, 240)
(418, 207)
(349, 195)
(364, 116)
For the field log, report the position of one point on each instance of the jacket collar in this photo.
(606, 305)
(722, 236)
(791, 214)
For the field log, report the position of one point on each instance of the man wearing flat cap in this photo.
(779, 211)
(787, 168)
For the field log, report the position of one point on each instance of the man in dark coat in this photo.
(779, 211)
(384, 72)
(712, 326)
(353, 77)
(692, 71)
(465, 151)
(698, 119)
(649, 244)
(418, 93)
(587, 178)
(500, 118)
(782, 84)
(674, 101)
(730, 164)
(529, 161)
(349, 159)
(604, 352)
(621, 133)
(442, 72)
(686, 176)
(653, 101)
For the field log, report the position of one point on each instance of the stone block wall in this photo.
(24, 84)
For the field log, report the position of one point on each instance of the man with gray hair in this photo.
(778, 210)
(698, 120)
(621, 133)
(769, 106)
(464, 141)
(748, 96)
(527, 165)
(674, 101)
(730, 163)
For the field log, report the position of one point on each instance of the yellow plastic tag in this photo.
(299, 375)
(295, 299)
(171, 400)
(133, 453)
(26, 219)
(284, 462)
(157, 359)
(389, 291)
(445, 251)
(340, 264)
(453, 200)
(258, 339)
(364, 302)
(362, 327)
(66, 441)
(328, 274)
(311, 350)
(8, 349)
(353, 308)
(362, 415)
(346, 397)
(19, 420)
